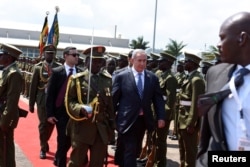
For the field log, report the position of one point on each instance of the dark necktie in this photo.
(139, 85)
(61, 94)
(206, 101)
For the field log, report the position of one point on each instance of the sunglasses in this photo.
(74, 54)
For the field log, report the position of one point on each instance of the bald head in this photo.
(234, 44)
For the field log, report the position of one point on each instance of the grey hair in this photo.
(136, 51)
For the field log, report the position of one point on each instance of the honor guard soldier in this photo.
(168, 85)
(180, 76)
(10, 89)
(205, 65)
(152, 64)
(41, 74)
(90, 108)
(189, 121)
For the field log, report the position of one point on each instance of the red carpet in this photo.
(27, 137)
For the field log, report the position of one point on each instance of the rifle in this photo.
(151, 157)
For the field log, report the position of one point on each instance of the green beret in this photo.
(10, 50)
(97, 52)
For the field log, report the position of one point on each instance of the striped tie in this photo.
(139, 85)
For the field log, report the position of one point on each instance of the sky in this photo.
(196, 23)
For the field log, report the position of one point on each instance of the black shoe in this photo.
(55, 162)
(42, 155)
(174, 137)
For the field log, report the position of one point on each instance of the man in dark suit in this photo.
(55, 107)
(222, 125)
(134, 90)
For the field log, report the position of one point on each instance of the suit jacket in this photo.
(57, 79)
(127, 101)
(212, 134)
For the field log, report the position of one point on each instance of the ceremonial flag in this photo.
(54, 32)
(43, 35)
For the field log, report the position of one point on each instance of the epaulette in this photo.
(80, 74)
(106, 73)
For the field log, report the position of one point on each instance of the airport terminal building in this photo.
(28, 41)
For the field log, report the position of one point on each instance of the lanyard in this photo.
(239, 104)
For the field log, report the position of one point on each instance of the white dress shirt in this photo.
(231, 113)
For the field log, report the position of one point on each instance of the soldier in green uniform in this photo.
(189, 121)
(91, 122)
(38, 88)
(9, 96)
(168, 85)
(180, 76)
(152, 64)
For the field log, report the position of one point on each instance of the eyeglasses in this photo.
(74, 54)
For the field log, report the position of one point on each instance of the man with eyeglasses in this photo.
(10, 91)
(56, 112)
(38, 88)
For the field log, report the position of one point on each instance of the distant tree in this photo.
(139, 43)
(213, 49)
(174, 48)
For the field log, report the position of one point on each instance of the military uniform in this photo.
(93, 133)
(37, 94)
(168, 85)
(9, 96)
(189, 121)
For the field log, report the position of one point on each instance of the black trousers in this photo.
(63, 141)
(129, 144)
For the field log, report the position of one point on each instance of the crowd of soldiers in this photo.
(172, 75)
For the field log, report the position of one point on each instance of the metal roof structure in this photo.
(30, 39)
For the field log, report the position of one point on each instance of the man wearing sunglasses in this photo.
(56, 112)
(38, 87)
(10, 91)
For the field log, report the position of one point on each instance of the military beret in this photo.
(192, 57)
(207, 64)
(49, 48)
(154, 56)
(167, 56)
(10, 50)
(97, 52)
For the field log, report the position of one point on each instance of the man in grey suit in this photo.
(134, 90)
(226, 124)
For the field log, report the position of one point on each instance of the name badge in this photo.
(243, 144)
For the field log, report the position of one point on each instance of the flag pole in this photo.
(90, 64)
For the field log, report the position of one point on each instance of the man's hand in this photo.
(31, 108)
(52, 120)
(161, 123)
(85, 113)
